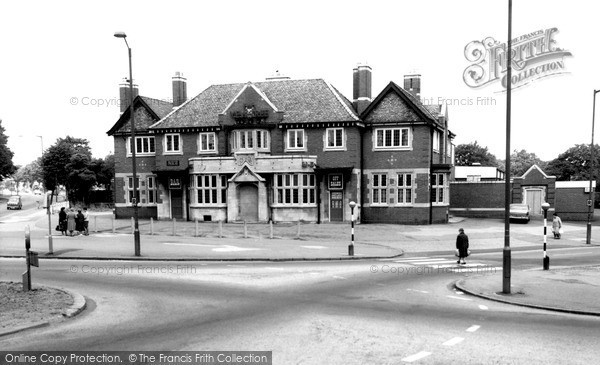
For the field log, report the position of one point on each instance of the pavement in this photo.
(565, 289)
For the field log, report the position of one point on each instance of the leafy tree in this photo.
(468, 154)
(521, 161)
(574, 164)
(67, 163)
(105, 170)
(7, 167)
(29, 173)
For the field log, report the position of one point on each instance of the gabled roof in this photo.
(300, 101)
(428, 113)
(154, 110)
(539, 170)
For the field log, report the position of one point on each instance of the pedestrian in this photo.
(556, 226)
(462, 246)
(71, 225)
(62, 221)
(79, 222)
(86, 222)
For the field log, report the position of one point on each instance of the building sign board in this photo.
(336, 182)
(174, 183)
(172, 162)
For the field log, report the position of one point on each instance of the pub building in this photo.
(285, 150)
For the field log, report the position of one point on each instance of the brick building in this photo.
(286, 150)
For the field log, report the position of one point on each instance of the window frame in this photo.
(139, 143)
(262, 135)
(295, 190)
(378, 190)
(168, 146)
(392, 146)
(295, 132)
(335, 147)
(200, 142)
(436, 189)
(403, 187)
(215, 190)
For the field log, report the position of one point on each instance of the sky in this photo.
(61, 65)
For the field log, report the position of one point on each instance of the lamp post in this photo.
(351, 246)
(506, 253)
(590, 202)
(546, 261)
(42, 143)
(136, 227)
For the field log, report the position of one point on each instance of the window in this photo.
(295, 139)
(379, 189)
(246, 140)
(335, 138)
(143, 146)
(439, 189)
(405, 189)
(210, 189)
(436, 140)
(295, 189)
(392, 138)
(172, 143)
(152, 191)
(206, 142)
(130, 199)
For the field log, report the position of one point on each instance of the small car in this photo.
(519, 212)
(14, 202)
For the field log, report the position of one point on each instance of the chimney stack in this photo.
(124, 98)
(361, 95)
(179, 89)
(412, 84)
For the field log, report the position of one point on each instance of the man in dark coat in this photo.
(462, 245)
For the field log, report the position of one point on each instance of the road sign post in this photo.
(546, 261)
(48, 209)
(27, 274)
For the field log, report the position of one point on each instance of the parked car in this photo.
(14, 202)
(519, 212)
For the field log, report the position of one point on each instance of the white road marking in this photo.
(473, 328)
(418, 291)
(339, 277)
(453, 341)
(274, 268)
(315, 247)
(453, 297)
(483, 307)
(236, 266)
(188, 244)
(416, 356)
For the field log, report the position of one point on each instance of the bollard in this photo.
(113, 224)
(132, 226)
(298, 232)
(546, 260)
(151, 226)
(95, 224)
(196, 226)
(220, 229)
(351, 245)
(173, 226)
(245, 230)
(271, 229)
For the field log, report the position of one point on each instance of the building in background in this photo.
(286, 150)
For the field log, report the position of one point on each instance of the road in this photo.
(306, 313)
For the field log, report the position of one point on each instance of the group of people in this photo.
(69, 221)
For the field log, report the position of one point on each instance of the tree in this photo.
(29, 173)
(67, 163)
(7, 167)
(521, 161)
(574, 164)
(468, 154)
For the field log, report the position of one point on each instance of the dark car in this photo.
(14, 202)
(519, 212)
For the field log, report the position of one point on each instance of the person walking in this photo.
(62, 221)
(462, 245)
(556, 226)
(71, 225)
(86, 222)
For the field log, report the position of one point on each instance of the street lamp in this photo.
(136, 227)
(351, 246)
(590, 202)
(42, 143)
(546, 262)
(506, 253)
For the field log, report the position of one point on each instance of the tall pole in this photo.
(546, 259)
(136, 227)
(506, 254)
(588, 238)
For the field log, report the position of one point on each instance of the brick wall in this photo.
(571, 204)
(477, 199)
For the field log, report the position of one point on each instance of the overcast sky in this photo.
(60, 60)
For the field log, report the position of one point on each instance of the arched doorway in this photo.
(248, 202)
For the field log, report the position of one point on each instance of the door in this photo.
(177, 203)
(336, 206)
(248, 203)
(533, 198)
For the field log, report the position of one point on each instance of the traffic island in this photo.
(42, 305)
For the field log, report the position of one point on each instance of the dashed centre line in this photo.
(459, 298)
(473, 328)
(417, 356)
(453, 341)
